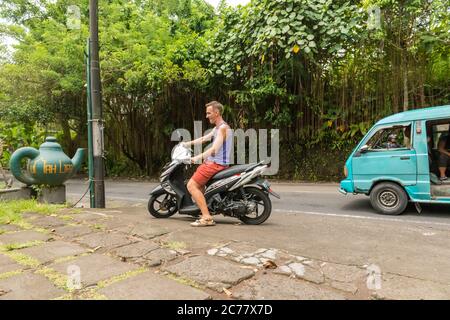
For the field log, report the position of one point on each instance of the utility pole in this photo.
(89, 124)
(97, 111)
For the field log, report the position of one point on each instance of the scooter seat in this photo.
(233, 170)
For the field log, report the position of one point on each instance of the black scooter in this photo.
(238, 191)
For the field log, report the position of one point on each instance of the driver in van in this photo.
(392, 142)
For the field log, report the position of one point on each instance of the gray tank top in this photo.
(222, 157)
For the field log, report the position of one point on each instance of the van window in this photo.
(395, 137)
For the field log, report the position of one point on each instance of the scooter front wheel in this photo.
(162, 205)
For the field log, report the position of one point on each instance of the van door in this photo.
(388, 155)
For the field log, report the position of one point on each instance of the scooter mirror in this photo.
(177, 136)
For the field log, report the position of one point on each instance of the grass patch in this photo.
(184, 281)
(28, 226)
(98, 227)
(10, 211)
(9, 274)
(22, 259)
(16, 246)
(75, 210)
(58, 279)
(23, 224)
(65, 259)
(175, 245)
(70, 258)
(91, 294)
(67, 296)
(121, 277)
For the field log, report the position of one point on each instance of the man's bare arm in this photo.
(442, 148)
(218, 141)
(201, 140)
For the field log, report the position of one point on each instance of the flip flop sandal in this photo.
(203, 223)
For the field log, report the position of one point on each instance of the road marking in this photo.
(128, 198)
(111, 197)
(362, 217)
(326, 192)
(97, 213)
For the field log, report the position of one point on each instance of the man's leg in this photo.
(196, 191)
(443, 162)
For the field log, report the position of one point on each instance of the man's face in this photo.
(211, 114)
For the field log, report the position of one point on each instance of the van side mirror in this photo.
(362, 150)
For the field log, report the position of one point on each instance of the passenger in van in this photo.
(444, 156)
(392, 142)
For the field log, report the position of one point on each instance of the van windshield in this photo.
(395, 137)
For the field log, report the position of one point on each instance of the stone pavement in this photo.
(124, 253)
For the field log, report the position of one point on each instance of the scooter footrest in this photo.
(190, 210)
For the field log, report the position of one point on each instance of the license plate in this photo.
(266, 184)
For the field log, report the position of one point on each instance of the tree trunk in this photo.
(405, 90)
(68, 143)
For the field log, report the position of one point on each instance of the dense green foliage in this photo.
(321, 71)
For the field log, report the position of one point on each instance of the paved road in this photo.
(310, 199)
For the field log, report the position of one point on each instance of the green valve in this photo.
(49, 165)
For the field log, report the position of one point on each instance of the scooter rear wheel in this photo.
(162, 205)
(262, 203)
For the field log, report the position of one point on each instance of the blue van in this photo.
(403, 158)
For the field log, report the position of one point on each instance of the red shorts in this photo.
(206, 171)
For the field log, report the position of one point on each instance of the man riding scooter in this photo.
(215, 159)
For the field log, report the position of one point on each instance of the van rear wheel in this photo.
(389, 198)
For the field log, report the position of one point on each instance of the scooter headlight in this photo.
(165, 185)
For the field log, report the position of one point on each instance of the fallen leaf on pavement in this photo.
(269, 264)
(227, 292)
(3, 292)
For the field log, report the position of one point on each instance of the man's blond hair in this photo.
(216, 106)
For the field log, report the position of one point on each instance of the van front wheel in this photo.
(389, 198)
